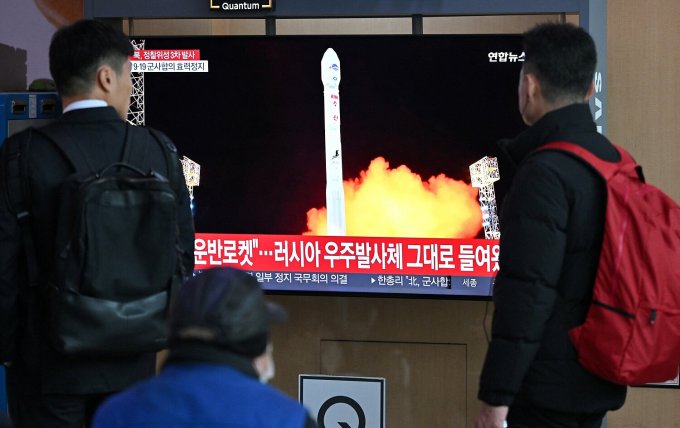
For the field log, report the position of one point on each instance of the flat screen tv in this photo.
(414, 113)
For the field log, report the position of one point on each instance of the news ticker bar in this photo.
(461, 267)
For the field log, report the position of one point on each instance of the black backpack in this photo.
(117, 258)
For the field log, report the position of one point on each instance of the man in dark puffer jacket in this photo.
(552, 223)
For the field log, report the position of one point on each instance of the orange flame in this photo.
(398, 203)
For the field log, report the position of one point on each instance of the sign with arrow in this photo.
(344, 402)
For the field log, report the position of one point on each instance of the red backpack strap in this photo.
(606, 168)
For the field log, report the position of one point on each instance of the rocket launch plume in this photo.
(398, 203)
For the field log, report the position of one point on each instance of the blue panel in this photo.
(26, 108)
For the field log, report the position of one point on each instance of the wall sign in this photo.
(241, 6)
(347, 402)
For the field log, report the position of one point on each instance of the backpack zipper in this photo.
(652, 311)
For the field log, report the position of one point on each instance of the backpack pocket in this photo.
(89, 326)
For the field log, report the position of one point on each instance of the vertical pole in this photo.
(270, 26)
(417, 24)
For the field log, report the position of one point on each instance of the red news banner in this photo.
(168, 61)
(363, 263)
(166, 55)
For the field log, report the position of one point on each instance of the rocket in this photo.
(335, 195)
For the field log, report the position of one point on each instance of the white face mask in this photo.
(265, 365)
(269, 371)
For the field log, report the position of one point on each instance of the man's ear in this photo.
(532, 85)
(105, 78)
(591, 91)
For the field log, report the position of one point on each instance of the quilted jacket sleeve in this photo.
(533, 223)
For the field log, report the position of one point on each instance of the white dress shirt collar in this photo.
(85, 104)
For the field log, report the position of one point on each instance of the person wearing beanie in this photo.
(219, 362)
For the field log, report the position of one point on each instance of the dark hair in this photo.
(563, 59)
(77, 50)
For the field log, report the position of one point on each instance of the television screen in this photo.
(358, 184)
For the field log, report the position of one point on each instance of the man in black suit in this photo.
(89, 62)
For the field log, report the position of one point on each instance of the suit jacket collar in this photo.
(95, 114)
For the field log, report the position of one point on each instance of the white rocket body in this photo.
(335, 195)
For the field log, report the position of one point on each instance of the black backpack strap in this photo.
(18, 193)
(171, 158)
(134, 152)
(176, 181)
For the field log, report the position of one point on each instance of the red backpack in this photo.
(631, 334)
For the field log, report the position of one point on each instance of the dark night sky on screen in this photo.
(255, 122)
